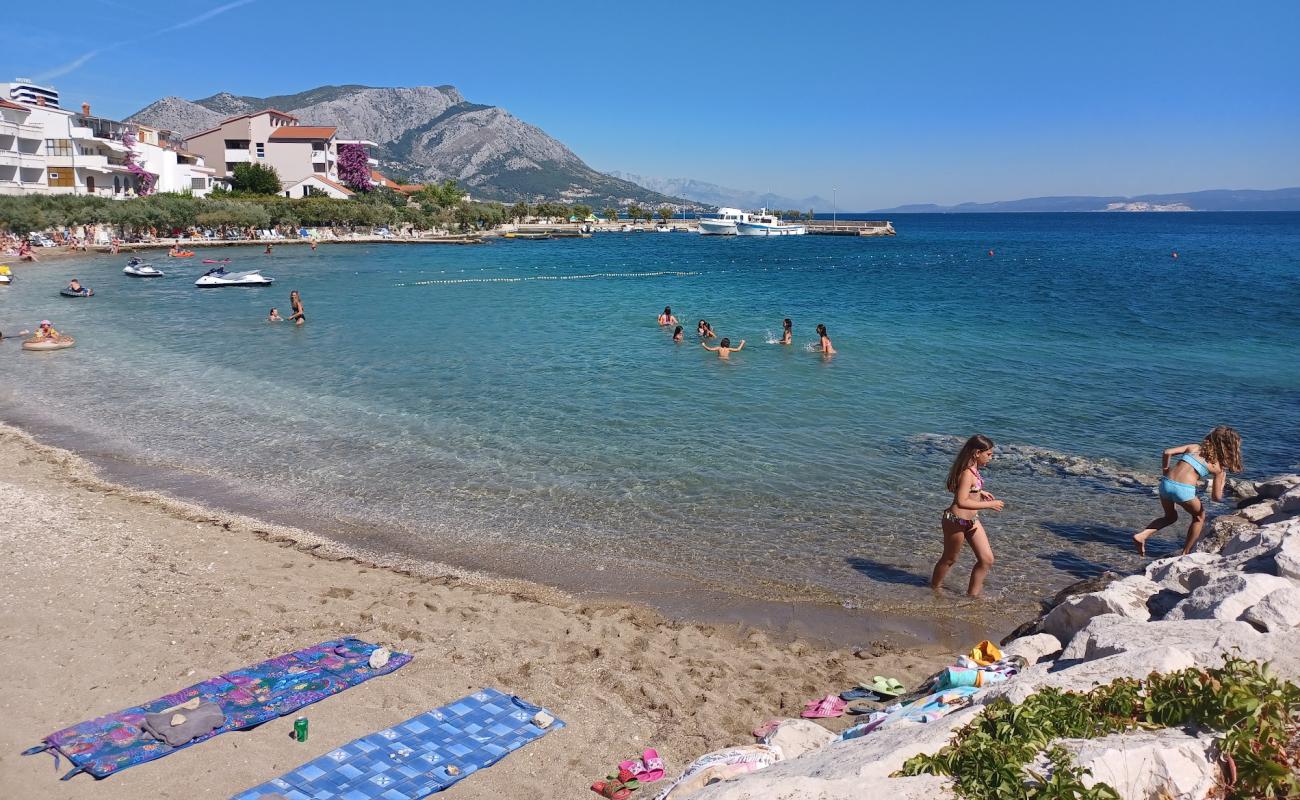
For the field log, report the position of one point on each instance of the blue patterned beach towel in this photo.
(247, 697)
(423, 755)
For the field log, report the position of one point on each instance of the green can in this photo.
(300, 729)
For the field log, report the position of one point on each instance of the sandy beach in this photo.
(113, 597)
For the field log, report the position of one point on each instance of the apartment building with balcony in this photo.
(272, 138)
(22, 150)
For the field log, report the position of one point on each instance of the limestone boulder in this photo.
(1126, 597)
(1084, 675)
(798, 736)
(1252, 540)
(1289, 502)
(1259, 511)
(1276, 487)
(1287, 559)
(1242, 489)
(1184, 573)
(764, 785)
(1143, 764)
(1226, 597)
(1281, 649)
(1207, 639)
(1278, 611)
(1033, 648)
(1220, 530)
(841, 768)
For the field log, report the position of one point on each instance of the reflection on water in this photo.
(473, 406)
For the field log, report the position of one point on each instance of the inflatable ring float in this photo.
(61, 343)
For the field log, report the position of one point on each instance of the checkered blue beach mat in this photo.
(410, 760)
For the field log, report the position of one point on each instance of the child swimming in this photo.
(824, 341)
(667, 318)
(787, 331)
(724, 348)
(961, 520)
(274, 316)
(704, 330)
(1183, 469)
(677, 334)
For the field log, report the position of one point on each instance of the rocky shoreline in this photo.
(1238, 595)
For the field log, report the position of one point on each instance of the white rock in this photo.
(1145, 764)
(1226, 597)
(1281, 649)
(1287, 558)
(798, 736)
(1184, 573)
(766, 786)
(1278, 611)
(1033, 648)
(1253, 540)
(1127, 597)
(1278, 486)
(1208, 639)
(842, 769)
(1086, 674)
(1289, 502)
(1259, 511)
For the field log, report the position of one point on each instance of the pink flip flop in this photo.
(828, 706)
(654, 766)
(634, 768)
(763, 730)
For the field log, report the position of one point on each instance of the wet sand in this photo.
(112, 597)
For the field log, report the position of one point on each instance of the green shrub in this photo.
(1257, 715)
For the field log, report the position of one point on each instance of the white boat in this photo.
(218, 276)
(139, 269)
(765, 224)
(724, 224)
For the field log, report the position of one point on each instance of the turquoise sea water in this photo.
(515, 407)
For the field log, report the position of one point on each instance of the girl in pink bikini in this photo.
(961, 520)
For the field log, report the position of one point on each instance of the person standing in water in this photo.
(298, 316)
(787, 331)
(677, 334)
(824, 341)
(961, 520)
(704, 330)
(724, 348)
(667, 318)
(1183, 469)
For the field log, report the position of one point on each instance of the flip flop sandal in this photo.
(824, 708)
(859, 693)
(763, 730)
(632, 769)
(889, 687)
(611, 789)
(654, 766)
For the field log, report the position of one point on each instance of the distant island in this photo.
(1209, 200)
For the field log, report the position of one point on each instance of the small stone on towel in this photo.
(177, 719)
(204, 719)
(379, 658)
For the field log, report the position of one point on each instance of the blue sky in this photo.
(885, 103)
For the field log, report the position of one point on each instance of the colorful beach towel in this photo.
(247, 697)
(419, 757)
(925, 709)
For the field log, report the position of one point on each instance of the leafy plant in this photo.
(1257, 714)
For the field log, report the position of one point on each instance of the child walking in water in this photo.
(724, 348)
(961, 520)
(1183, 469)
(824, 341)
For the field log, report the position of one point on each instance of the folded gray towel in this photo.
(201, 720)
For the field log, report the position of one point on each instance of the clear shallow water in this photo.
(466, 404)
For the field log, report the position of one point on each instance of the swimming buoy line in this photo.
(451, 281)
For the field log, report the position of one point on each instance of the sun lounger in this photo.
(247, 697)
(419, 757)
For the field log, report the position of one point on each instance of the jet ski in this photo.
(139, 269)
(6, 277)
(219, 277)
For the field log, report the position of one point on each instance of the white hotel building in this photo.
(48, 150)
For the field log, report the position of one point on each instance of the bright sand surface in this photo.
(112, 597)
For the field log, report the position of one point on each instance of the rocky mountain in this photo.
(430, 133)
(1208, 200)
(714, 195)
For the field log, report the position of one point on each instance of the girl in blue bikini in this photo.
(961, 520)
(1184, 468)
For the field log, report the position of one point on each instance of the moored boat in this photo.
(766, 224)
(724, 224)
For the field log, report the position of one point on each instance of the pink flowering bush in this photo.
(354, 167)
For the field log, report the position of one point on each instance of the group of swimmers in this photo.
(1182, 470)
(724, 349)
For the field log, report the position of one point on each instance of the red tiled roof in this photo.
(379, 178)
(303, 132)
(6, 104)
(256, 113)
(410, 188)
